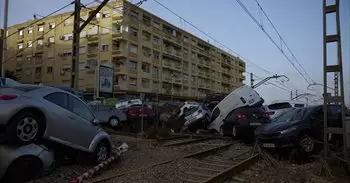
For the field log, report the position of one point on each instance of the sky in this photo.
(299, 22)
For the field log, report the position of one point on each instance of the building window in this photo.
(51, 39)
(155, 71)
(146, 20)
(50, 54)
(68, 22)
(40, 42)
(146, 67)
(156, 40)
(29, 57)
(83, 34)
(133, 81)
(30, 30)
(104, 30)
(40, 28)
(145, 83)
(134, 15)
(82, 65)
(52, 25)
(49, 70)
(133, 32)
(20, 32)
(156, 55)
(156, 24)
(104, 47)
(105, 14)
(67, 37)
(82, 49)
(133, 48)
(93, 30)
(30, 44)
(20, 46)
(133, 66)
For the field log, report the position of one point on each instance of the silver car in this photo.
(108, 115)
(20, 164)
(29, 113)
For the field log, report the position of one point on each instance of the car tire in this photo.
(102, 152)
(306, 145)
(24, 128)
(23, 169)
(114, 122)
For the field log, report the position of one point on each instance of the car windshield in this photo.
(291, 115)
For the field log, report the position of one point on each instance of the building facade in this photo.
(147, 53)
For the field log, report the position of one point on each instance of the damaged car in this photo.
(24, 163)
(32, 113)
(298, 127)
(197, 118)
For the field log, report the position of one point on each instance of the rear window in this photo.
(276, 106)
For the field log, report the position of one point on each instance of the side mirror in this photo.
(95, 121)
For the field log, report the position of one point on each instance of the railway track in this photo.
(219, 166)
(210, 165)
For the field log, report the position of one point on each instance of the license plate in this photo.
(255, 124)
(268, 145)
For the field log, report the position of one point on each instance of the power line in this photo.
(272, 40)
(40, 37)
(34, 22)
(283, 41)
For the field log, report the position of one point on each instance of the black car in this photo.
(298, 127)
(242, 122)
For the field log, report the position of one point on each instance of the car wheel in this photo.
(102, 152)
(306, 144)
(114, 122)
(23, 169)
(24, 128)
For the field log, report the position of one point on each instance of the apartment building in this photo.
(147, 53)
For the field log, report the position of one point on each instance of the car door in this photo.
(99, 113)
(60, 125)
(83, 129)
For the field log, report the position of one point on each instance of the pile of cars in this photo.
(41, 122)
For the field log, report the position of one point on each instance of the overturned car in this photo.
(244, 96)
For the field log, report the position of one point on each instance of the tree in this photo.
(11, 75)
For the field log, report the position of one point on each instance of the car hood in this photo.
(277, 126)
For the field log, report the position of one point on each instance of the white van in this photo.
(243, 96)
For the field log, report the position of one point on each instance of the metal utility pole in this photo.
(76, 39)
(251, 80)
(291, 95)
(338, 70)
(75, 49)
(4, 38)
(268, 78)
(336, 86)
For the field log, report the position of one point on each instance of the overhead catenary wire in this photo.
(38, 20)
(273, 41)
(282, 40)
(39, 38)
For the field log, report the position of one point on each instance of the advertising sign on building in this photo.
(106, 79)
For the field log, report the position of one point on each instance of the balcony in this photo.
(132, 87)
(133, 38)
(117, 19)
(156, 62)
(157, 31)
(178, 66)
(167, 64)
(121, 70)
(155, 76)
(92, 39)
(134, 55)
(156, 46)
(167, 78)
(118, 35)
(185, 69)
(38, 62)
(178, 80)
(92, 54)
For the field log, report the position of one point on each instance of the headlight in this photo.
(288, 130)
